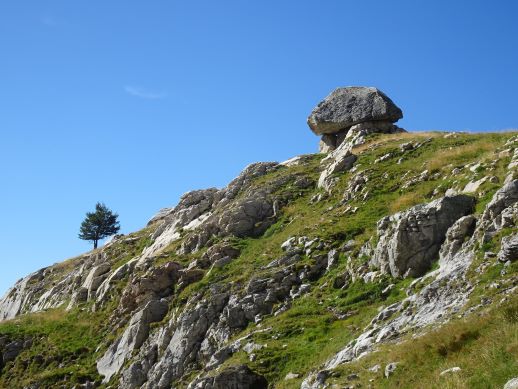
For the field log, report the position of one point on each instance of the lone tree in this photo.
(99, 224)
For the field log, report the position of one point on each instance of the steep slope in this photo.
(290, 274)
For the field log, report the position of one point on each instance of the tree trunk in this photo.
(95, 244)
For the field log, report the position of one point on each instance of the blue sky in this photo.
(135, 102)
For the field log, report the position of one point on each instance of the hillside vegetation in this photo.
(285, 292)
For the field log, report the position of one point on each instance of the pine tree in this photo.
(99, 224)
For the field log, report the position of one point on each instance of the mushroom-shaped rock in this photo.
(348, 106)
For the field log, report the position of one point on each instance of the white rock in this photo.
(450, 370)
(390, 369)
(291, 376)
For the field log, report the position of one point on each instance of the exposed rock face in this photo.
(191, 205)
(502, 210)
(347, 107)
(409, 241)
(234, 377)
(438, 300)
(11, 348)
(132, 338)
(338, 161)
(156, 283)
(456, 235)
(511, 384)
(182, 345)
(509, 250)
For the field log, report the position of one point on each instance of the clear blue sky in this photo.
(135, 102)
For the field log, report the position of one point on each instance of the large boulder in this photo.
(409, 241)
(348, 106)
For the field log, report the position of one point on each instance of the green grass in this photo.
(63, 348)
(484, 346)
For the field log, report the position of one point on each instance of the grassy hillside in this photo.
(65, 345)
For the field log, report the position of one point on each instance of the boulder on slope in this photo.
(409, 241)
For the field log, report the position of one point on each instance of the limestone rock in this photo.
(511, 384)
(132, 338)
(156, 283)
(390, 369)
(409, 241)
(233, 377)
(456, 235)
(509, 250)
(340, 160)
(190, 206)
(95, 278)
(455, 369)
(181, 347)
(348, 106)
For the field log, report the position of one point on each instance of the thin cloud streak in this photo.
(144, 93)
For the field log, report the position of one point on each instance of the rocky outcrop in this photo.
(509, 249)
(338, 161)
(409, 241)
(190, 206)
(132, 338)
(456, 235)
(438, 300)
(233, 377)
(11, 348)
(47, 288)
(183, 343)
(248, 214)
(502, 210)
(340, 113)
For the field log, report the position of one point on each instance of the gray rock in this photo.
(291, 376)
(95, 279)
(456, 235)
(11, 349)
(156, 283)
(132, 338)
(503, 198)
(511, 384)
(455, 369)
(348, 106)
(327, 143)
(332, 258)
(133, 377)
(509, 249)
(390, 369)
(181, 348)
(339, 161)
(409, 241)
(190, 206)
(233, 377)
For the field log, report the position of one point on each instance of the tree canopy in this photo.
(99, 224)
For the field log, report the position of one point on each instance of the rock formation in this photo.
(350, 111)
(318, 258)
(410, 241)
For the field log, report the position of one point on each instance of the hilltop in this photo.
(389, 259)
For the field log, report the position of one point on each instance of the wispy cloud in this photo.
(144, 93)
